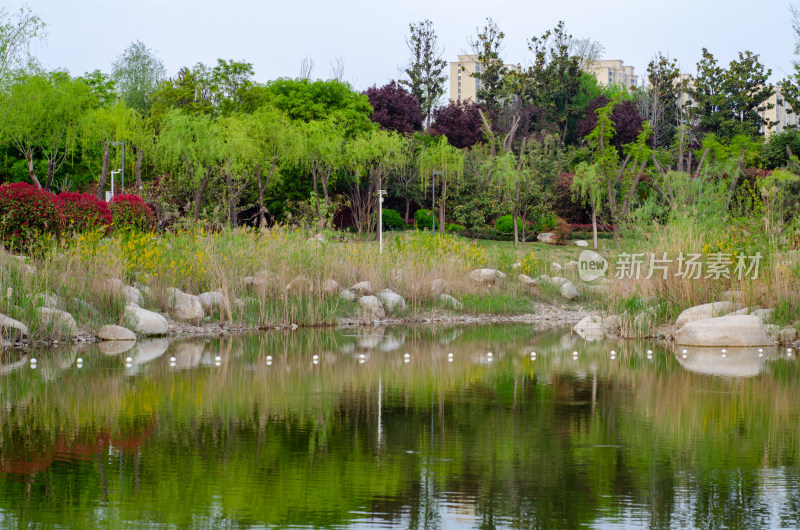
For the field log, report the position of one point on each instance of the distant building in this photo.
(464, 87)
(781, 113)
(613, 72)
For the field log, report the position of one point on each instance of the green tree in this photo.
(190, 91)
(137, 73)
(17, 32)
(104, 126)
(491, 71)
(730, 101)
(659, 102)
(425, 69)
(102, 87)
(443, 158)
(190, 145)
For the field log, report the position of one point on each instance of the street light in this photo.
(110, 194)
(433, 200)
(123, 160)
(381, 193)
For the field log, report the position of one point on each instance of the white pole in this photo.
(380, 221)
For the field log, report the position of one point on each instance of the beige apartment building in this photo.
(613, 72)
(464, 87)
(781, 113)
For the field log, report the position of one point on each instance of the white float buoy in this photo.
(761, 352)
(362, 356)
(33, 362)
(406, 356)
(724, 352)
(315, 359)
(788, 352)
(128, 359)
(218, 359)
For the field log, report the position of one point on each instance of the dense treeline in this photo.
(211, 144)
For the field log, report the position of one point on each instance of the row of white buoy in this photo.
(406, 358)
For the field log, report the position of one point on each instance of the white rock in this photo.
(581, 243)
(373, 305)
(116, 333)
(348, 295)
(569, 291)
(392, 302)
(558, 280)
(60, 324)
(132, 295)
(450, 302)
(744, 310)
(704, 311)
(486, 275)
(738, 330)
(46, 300)
(7, 324)
(145, 290)
(516, 265)
(556, 268)
(330, 286)
(783, 335)
(527, 280)
(547, 237)
(211, 300)
(362, 288)
(149, 350)
(438, 286)
(763, 314)
(736, 297)
(184, 306)
(146, 322)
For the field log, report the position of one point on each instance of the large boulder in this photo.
(486, 275)
(348, 295)
(146, 322)
(595, 327)
(11, 327)
(700, 312)
(362, 288)
(211, 301)
(392, 302)
(569, 291)
(581, 243)
(132, 295)
(548, 237)
(450, 302)
(558, 280)
(438, 286)
(763, 314)
(59, 323)
(115, 333)
(373, 305)
(527, 280)
(330, 286)
(555, 268)
(737, 330)
(184, 306)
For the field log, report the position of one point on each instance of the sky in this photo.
(369, 36)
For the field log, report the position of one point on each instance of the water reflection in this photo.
(399, 427)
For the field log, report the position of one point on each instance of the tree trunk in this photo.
(514, 216)
(442, 206)
(138, 171)
(262, 220)
(101, 186)
(408, 207)
(50, 172)
(31, 172)
(231, 199)
(198, 194)
(316, 198)
(594, 228)
(325, 178)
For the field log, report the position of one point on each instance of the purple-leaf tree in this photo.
(395, 109)
(459, 122)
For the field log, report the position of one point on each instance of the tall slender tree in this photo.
(425, 69)
(138, 72)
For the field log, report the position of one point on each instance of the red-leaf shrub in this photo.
(82, 211)
(130, 211)
(26, 214)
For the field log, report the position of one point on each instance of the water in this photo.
(369, 437)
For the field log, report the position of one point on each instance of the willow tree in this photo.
(322, 154)
(105, 126)
(370, 157)
(510, 173)
(448, 162)
(190, 145)
(278, 144)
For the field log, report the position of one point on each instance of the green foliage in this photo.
(423, 220)
(137, 73)
(775, 151)
(392, 220)
(425, 70)
(505, 225)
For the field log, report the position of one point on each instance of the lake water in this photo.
(385, 429)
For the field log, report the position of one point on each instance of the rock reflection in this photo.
(727, 362)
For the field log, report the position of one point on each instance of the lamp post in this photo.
(381, 193)
(122, 169)
(110, 195)
(433, 200)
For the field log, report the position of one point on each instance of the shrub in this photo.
(453, 227)
(392, 220)
(505, 225)
(562, 231)
(131, 212)
(82, 211)
(26, 214)
(548, 222)
(423, 219)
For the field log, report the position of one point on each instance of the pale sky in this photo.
(275, 35)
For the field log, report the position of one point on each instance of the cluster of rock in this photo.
(385, 302)
(724, 323)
